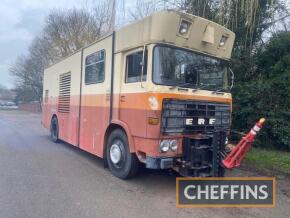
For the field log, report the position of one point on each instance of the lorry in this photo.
(155, 92)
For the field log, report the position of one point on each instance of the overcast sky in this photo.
(20, 21)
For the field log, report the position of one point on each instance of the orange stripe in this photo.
(137, 100)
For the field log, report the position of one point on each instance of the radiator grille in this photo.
(64, 93)
(177, 113)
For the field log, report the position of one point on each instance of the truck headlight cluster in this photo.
(167, 144)
(184, 27)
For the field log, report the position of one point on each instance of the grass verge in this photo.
(270, 161)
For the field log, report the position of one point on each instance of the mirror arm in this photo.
(232, 78)
(143, 62)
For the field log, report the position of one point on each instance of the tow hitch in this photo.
(235, 157)
(203, 155)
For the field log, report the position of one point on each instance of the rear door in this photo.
(95, 101)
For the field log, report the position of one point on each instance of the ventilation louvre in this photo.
(64, 93)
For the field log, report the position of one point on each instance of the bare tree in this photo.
(104, 16)
(27, 77)
(144, 8)
(65, 32)
(68, 31)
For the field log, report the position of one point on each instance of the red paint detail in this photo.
(236, 156)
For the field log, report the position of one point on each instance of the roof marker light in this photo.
(223, 41)
(184, 27)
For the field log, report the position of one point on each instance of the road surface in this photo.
(41, 179)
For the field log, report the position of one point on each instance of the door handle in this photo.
(108, 96)
(123, 98)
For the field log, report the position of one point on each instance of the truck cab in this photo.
(175, 91)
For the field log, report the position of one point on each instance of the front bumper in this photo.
(160, 163)
(201, 157)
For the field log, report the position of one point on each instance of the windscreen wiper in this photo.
(219, 91)
(187, 86)
(181, 85)
(202, 86)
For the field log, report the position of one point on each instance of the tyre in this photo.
(121, 162)
(54, 129)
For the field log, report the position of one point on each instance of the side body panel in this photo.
(68, 122)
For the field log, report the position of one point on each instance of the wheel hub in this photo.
(115, 153)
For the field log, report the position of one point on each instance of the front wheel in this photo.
(122, 163)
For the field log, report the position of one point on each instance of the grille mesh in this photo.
(176, 112)
(64, 93)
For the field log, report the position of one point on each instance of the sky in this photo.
(21, 21)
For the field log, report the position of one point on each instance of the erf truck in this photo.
(154, 92)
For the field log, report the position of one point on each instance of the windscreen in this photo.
(179, 67)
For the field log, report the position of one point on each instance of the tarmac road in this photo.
(41, 179)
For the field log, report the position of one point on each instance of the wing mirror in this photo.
(232, 76)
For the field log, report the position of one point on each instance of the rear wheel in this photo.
(54, 130)
(121, 162)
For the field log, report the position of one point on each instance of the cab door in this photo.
(133, 92)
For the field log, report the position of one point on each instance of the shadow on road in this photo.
(167, 176)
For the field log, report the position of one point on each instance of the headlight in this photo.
(184, 27)
(173, 145)
(164, 145)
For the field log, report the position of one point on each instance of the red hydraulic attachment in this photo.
(234, 158)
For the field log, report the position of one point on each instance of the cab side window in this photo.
(134, 67)
(95, 68)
